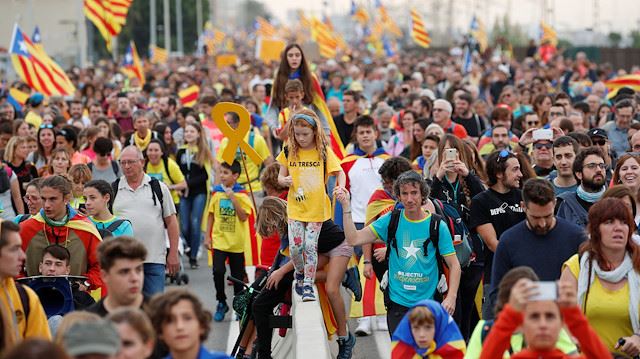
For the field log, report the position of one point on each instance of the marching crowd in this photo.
(492, 214)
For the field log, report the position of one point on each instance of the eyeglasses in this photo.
(592, 166)
(504, 155)
(533, 123)
(125, 163)
(552, 114)
(636, 148)
(600, 142)
(30, 198)
(46, 126)
(546, 145)
(438, 109)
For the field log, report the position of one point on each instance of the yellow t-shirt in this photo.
(158, 172)
(229, 233)
(607, 310)
(283, 117)
(308, 199)
(34, 119)
(260, 145)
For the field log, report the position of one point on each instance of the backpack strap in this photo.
(165, 163)
(156, 192)
(114, 167)
(90, 165)
(114, 187)
(434, 238)
(114, 226)
(26, 305)
(391, 232)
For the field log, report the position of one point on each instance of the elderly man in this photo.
(442, 110)
(148, 204)
(617, 130)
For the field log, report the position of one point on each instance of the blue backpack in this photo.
(453, 219)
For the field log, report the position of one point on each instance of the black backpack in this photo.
(156, 192)
(108, 232)
(114, 168)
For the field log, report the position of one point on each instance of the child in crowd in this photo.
(59, 164)
(427, 331)
(182, 324)
(422, 164)
(307, 161)
(98, 195)
(229, 211)
(294, 93)
(79, 175)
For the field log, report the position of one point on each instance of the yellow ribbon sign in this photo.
(235, 137)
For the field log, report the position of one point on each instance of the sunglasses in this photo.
(600, 142)
(46, 126)
(533, 123)
(504, 155)
(538, 146)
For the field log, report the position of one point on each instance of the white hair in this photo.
(444, 103)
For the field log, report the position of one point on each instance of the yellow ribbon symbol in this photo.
(235, 137)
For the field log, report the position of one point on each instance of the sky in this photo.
(614, 15)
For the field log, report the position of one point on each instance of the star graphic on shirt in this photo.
(411, 251)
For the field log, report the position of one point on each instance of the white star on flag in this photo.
(128, 58)
(411, 251)
(22, 46)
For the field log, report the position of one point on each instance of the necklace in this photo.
(57, 236)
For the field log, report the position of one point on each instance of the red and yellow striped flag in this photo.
(189, 96)
(389, 24)
(324, 37)
(109, 16)
(419, 32)
(59, 73)
(36, 68)
(264, 28)
(131, 65)
(158, 55)
(372, 303)
(631, 81)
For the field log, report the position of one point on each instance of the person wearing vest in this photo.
(589, 169)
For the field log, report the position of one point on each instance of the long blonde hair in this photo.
(272, 216)
(320, 137)
(204, 154)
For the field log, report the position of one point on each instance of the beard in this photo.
(592, 184)
(538, 230)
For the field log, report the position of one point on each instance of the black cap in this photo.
(598, 132)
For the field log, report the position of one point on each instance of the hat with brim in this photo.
(86, 338)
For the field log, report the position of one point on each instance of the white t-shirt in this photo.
(5, 201)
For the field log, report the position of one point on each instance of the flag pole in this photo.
(244, 165)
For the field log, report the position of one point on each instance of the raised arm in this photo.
(354, 237)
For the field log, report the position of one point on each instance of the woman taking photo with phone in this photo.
(606, 272)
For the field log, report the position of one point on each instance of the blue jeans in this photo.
(154, 277)
(191, 209)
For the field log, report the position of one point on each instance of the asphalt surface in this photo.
(224, 334)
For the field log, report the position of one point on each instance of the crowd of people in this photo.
(517, 183)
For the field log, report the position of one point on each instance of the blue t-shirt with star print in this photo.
(412, 275)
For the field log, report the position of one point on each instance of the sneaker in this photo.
(194, 263)
(352, 282)
(364, 327)
(381, 323)
(345, 346)
(221, 310)
(299, 283)
(307, 294)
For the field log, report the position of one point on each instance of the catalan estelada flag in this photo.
(60, 75)
(189, 96)
(131, 64)
(419, 32)
(17, 98)
(158, 55)
(109, 16)
(388, 22)
(264, 28)
(479, 33)
(631, 81)
(447, 340)
(35, 67)
(319, 102)
(359, 13)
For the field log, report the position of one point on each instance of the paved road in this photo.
(224, 334)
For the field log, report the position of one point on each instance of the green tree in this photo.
(615, 38)
(251, 10)
(635, 38)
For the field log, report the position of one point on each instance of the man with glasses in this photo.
(617, 130)
(556, 111)
(634, 142)
(542, 157)
(497, 209)
(531, 120)
(442, 110)
(589, 169)
(137, 199)
(541, 242)
(32, 199)
(599, 139)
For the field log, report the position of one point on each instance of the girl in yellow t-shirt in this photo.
(306, 161)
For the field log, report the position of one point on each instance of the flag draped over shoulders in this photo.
(447, 341)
